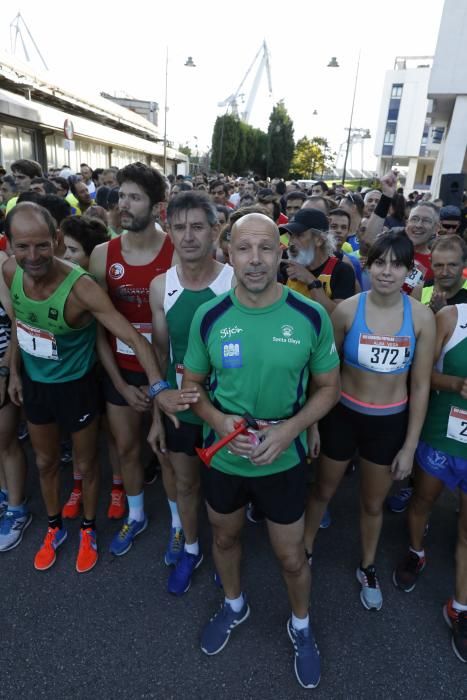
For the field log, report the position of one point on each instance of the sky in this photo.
(120, 48)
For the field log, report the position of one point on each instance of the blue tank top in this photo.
(388, 354)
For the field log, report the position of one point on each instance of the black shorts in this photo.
(378, 439)
(281, 497)
(71, 405)
(183, 439)
(133, 378)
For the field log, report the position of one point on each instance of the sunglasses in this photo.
(450, 227)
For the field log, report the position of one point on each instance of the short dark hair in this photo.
(56, 206)
(102, 196)
(34, 208)
(356, 199)
(398, 242)
(31, 168)
(295, 194)
(194, 199)
(450, 242)
(49, 186)
(225, 210)
(340, 212)
(322, 184)
(10, 181)
(88, 232)
(149, 179)
(61, 182)
(218, 183)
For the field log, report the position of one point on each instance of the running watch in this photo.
(157, 387)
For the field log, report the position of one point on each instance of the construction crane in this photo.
(19, 29)
(231, 102)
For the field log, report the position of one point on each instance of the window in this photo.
(437, 134)
(387, 150)
(396, 90)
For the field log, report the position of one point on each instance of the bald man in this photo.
(257, 346)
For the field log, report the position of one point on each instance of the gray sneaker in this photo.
(12, 527)
(216, 633)
(370, 595)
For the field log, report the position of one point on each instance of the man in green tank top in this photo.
(174, 298)
(258, 345)
(56, 306)
(441, 460)
(448, 259)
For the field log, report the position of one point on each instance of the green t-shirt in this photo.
(179, 306)
(259, 362)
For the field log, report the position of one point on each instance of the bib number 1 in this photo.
(36, 342)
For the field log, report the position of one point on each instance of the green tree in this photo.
(225, 142)
(311, 157)
(280, 142)
(186, 150)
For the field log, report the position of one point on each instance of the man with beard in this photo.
(125, 266)
(312, 267)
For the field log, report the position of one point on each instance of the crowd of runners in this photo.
(312, 332)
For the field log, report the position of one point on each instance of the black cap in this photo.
(305, 219)
(450, 213)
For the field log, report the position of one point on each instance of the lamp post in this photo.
(189, 63)
(334, 64)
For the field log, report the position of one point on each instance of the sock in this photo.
(458, 606)
(55, 521)
(420, 553)
(300, 623)
(236, 603)
(77, 482)
(193, 549)
(88, 524)
(117, 483)
(176, 522)
(136, 507)
(5, 493)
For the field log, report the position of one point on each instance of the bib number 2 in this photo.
(457, 425)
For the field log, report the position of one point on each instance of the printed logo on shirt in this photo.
(32, 317)
(287, 331)
(287, 336)
(53, 314)
(116, 271)
(231, 355)
(229, 332)
(172, 292)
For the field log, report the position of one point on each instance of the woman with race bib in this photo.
(381, 334)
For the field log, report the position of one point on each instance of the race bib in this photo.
(142, 328)
(179, 370)
(36, 342)
(457, 424)
(416, 276)
(383, 353)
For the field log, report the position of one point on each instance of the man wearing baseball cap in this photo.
(449, 220)
(313, 268)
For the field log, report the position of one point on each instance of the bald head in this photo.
(255, 224)
(29, 212)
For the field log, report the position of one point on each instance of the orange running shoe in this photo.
(117, 504)
(87, 554)
(46, 556)
(72, 507)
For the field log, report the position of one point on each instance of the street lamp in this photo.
(334, 64)
(189, 63)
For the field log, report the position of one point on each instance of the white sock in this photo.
(192, 548)
(236, 603)
(300, 623)
(136, 507)
(458, 606)
(419, 554)
(176, 522)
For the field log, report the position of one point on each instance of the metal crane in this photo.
(17, 27)
(232, 100)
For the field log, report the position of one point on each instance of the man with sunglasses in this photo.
(449, 220)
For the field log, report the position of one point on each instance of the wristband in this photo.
(316, 284)
(4, 371)
(157, 388)
(382, 208)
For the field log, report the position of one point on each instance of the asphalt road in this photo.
(116, 633)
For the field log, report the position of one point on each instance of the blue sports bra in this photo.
(388, 354)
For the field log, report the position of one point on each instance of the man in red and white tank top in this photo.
(125, 266)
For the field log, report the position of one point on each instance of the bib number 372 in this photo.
(457, 424)
(382, 353)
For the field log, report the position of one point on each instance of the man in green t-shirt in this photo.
(258, 346)
(56, 306)
(174, 298)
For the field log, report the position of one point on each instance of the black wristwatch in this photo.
(4, 371)
(316, 284)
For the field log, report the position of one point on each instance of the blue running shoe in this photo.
(175, 548)
(325, 520)
(216, 633)
(180, 578)
(12, 527)
(399, 501)
(307, 662)
(370, 594)
(123, 540)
